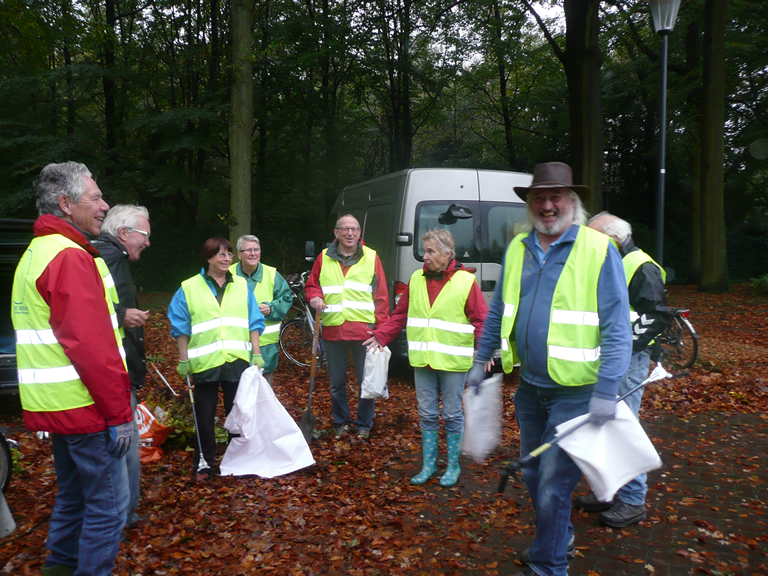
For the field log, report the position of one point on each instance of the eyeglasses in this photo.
(142, 232)
(347, 229)
(251, 251)
(225, 255)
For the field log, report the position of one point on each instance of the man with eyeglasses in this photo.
(347, 283)
(124, 236)
(272, 293)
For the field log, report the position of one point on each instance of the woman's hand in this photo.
(372, 345)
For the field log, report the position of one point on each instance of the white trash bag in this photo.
(482, 418)
(375, 375)
(270, 443)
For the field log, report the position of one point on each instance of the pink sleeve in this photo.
(476, 309)
(312, 288)
(387, 331)
(381, 295)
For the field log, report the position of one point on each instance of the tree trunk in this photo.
(503, 97)
(693, 63)
(714, 269)
(582, 61)
(241, 121)
(110, 109)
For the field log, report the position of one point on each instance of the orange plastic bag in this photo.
(152, 434)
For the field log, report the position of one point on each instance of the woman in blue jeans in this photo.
(443, 311)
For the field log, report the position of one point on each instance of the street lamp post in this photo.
(664, 16)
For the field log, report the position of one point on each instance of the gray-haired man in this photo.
(124, 236)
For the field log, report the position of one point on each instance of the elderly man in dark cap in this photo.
(560, 309)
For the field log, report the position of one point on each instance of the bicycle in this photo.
(296, 334)
(679, 340)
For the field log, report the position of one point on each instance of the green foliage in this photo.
(760, 284)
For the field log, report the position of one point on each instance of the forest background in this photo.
(149, 94)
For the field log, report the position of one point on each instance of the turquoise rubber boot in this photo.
(454, 451)
(429, 444)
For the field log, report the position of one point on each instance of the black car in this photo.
(15, 236)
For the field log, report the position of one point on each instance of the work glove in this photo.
(184, 369)
(120, 439)
(476, 375)
(601, 410)
(257, 360)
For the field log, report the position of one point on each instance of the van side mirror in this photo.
(309, 251)
(454, 213)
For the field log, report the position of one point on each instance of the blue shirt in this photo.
(181, 321)
(541, 272)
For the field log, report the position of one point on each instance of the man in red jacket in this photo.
(347, 283)
(72, 379)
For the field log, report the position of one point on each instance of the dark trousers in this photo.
(337, 355)
(206, 401)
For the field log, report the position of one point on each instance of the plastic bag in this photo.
(375, 375)
(270, 442)
(152, 433)
(482, 418)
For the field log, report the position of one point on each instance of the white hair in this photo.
(615, 228)
(123, 216)
(246, 238)
(579, 213)
(65, 179)
(443, 239)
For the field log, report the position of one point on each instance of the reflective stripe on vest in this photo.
(440, 336)
(48, 382)
(632, 262)
(573, 340)
(348, 298)
(219, 333)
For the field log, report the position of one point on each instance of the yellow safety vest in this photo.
(48, 382)
(573, 341)
(632, 262)
(219, 333)
(264, 291)
(440, 336)
(348, 298)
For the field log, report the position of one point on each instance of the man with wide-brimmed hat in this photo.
(560, 309)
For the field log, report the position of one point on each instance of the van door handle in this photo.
(487, 285)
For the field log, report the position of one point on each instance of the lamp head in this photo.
(664, 14)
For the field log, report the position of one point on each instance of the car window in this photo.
(463, 231)
(503, 222)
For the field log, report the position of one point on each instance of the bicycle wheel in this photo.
(6, 463)
(296, 341)
(679, 345)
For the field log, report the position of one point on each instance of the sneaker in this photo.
(339, 431)
(363, 434)
(622, 514)
(590, 503)
(570, 553)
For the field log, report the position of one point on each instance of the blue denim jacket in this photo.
(540, 275)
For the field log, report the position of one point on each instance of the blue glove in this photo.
(476, 375)
(601, 410)
(120, 439)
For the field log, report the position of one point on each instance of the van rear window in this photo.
(483, 238)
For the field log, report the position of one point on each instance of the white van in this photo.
(479, 208)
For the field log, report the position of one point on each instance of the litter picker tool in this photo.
(307, 424)
(515, 467)
(201, 464)
(152, 365)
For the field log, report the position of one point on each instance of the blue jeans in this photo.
(134, 466)
(551, 477)
(633, 492)
(430, 386)
(91, 503)
(337, 355)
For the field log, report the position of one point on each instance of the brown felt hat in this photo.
(554, 175)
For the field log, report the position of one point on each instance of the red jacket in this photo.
(475, 308)
(71, 285)
(351, 330)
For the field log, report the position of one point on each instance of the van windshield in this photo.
(482, 238)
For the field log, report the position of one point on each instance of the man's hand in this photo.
(601, 410)
(476, 375)
(184, 368)
(317, 303)
(120, 439)
(265, 309)
(135, 318)
(257, 360)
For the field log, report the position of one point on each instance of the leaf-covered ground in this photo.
(354, 512)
